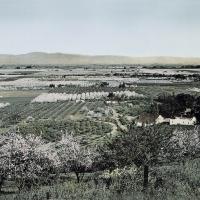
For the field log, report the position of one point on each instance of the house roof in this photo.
(147, 118)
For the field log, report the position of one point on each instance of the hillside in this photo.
(62, 59)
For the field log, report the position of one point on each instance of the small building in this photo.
(93, 114)
(146, 119)
(30, 119)
(161, 119)
(183, 121)
(188, 111)
(111, 102)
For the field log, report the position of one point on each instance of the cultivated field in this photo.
(73, 132)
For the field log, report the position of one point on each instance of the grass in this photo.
(180, 182)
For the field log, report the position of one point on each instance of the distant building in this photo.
(93, 114)
(188, 111)
(111, 102)
(147, 119)
(183, 121)
(160, 119)
(131, 85)
(30, 119)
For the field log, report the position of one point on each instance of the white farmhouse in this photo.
(161, 119)
(177, 120)
(146, 119)
(183, 121)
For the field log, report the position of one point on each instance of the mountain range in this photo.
(40, 58)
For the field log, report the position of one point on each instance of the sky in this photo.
(101, 27)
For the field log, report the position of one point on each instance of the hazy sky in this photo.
(117, 27)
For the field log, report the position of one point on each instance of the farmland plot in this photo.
(36, 83)
(57, 111)
(52, 130)
(73, 89)
(55, 97)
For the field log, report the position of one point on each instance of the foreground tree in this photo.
(142, 147)
(74, 157)
(155, 145)
(185, 144)
(26, 159)
(3, 161)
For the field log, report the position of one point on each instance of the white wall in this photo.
(183, 121)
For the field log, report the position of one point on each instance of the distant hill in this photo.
(62, 59)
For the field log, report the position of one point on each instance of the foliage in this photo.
(28, 159)
(25, 159)
(52, 130)
(152, 146)
(74, 157)
(172, 106)
(179, 182)
(185, 144)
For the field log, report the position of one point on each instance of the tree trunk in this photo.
(77, 177)
(146, 177)
(82, 177)
(1, 182)
(0, 187)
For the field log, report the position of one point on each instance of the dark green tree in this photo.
(144, 147)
